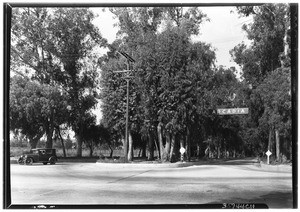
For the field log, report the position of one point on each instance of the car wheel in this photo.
(20, 161)
(45, 163)
(29, 161)
(52, 160)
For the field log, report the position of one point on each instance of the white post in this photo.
(268, 153)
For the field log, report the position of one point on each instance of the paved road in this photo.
(89, 183)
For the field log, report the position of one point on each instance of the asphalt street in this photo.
(91, 183)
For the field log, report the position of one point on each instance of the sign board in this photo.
(233, 111)
(268, 153)
(182, 150)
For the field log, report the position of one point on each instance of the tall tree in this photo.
(57, 45)
(267, 33)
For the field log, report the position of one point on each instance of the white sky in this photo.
(223, 31)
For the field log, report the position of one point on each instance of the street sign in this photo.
(232, 111)
(123, 71)
(182, 150)
(268, 153)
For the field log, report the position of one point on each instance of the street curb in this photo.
(145, 165)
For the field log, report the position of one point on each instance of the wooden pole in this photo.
(127, 105)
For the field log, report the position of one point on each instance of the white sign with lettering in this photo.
(232, 111)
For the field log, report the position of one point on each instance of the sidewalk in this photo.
(146, 165)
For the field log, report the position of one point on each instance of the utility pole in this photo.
(127, 77)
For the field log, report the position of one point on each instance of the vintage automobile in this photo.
(39, 155)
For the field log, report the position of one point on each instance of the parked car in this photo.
(39, 156)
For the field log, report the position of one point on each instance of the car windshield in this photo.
(35, 151)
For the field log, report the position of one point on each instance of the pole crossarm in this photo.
(126, 56)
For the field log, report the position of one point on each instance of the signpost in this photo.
(233, 111)
(182, 151)
(268, 153)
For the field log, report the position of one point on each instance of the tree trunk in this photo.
(62, 141)
(123, 143)
(151, 145)
(167, 149)
(91, 149)
(277, 144)
(144, 149)
(79, 146)
(130, 148)
(49, 132)
(33, 141)
(198, 151)
(285, 39)
(176, 152)
(49, 140)
(160, 140)
(111, 151)
(173, 147)
(270, 139)
(188, 145)
(218, 149)
(157, 149)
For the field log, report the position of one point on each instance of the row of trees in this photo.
(175, 87)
